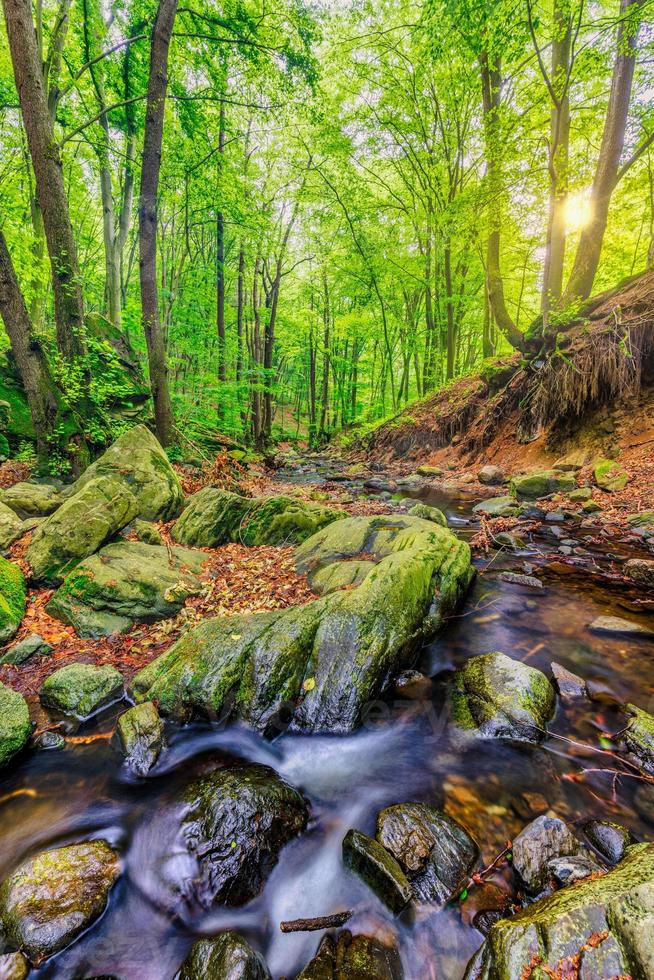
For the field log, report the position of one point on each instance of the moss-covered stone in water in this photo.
(494, 696)
(535, 485)
(15, 725)
(13, 595)
(428, 513)
(139, 733)
(609, 475)
(638, 737)
(603, 924)
(227, 957)
(80, 690)
(348, 957)
(51, 898)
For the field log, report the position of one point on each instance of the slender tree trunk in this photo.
(151, 163)
(220, 256)
(327, 316)
(51, 193)
(240, 296)
(589, 249)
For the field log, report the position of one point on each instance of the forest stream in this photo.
(401, 753)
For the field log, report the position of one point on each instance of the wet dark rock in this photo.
(235, 822)
(13, 966)
(494, 696)
(414, 685)
(348, 957)
(14, 724)
(544, 840)
(19, 653)
(616, 626)
(640, 571)
(486, 918)
(378, 868)
(491, 475)
(569, 685)
(603, 924)
(52, 897)
(227, 957)
(435, 852)
(610, 839)
(638, 737)
(527, 581)
(81, 690)
(139, 733)
(49, 742)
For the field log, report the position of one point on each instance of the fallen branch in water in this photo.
(319, 922)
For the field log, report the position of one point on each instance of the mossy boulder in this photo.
(348, 957)
(33, 499)
(214, 517)
(494, 696)
(13, 596)
(428, 513)
(323, 662)
(227, 957)
(11, 527)
(31, 646)
(125, 583)
(139, 733)
(52, 897)
(638, 737)
(138, 460)
(80, 527)
(602, 925)
(15, 725)
(81, 690)
(426, 470)
(497, 507)
(531, 486)
(609, 475)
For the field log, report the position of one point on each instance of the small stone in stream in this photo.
(591, 507)
(610, 839)
(600, 691)
(640, 571)
(581, 493)
(425, 470)
(80, 690)
(506, 539)
(147, 532)
(378, 868)
(491, 475)
(569, 685)
(435, 852)
(49, 742)
(13, 966)
(413, 685)
(140, 735)
(226, 957)
(429, 514)
(575, 867)
(529, 581)
(14, 724)
(610, 476)
(638, 737)
(52, 897)
(20, 652)
(348, 957)
(541, 841)
(616, 626)
(497, 507)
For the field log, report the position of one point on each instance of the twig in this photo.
(319, 922)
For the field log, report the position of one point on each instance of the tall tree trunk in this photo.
(220, 255)
(606, 177)
(240, 296)
(327, 315)
(51, 193)
(151, 164)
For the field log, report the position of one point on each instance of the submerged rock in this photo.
(321, 663)
(616, 626)
(32, 499)
(609, 475)
(602, 926)
(81, 690)
(49, 899)
(125, 583)
(139, 732)
(235, 822)
(610, 839)
(494, 696)
(227, 957)
(137, 459)
(435, 852)
(378, 868)
(428, 513)
(214, 517)
(80, 527)
(15, 725)
(13, 596)
(348, 957)
(541, 484)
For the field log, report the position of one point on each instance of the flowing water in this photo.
(401, 753)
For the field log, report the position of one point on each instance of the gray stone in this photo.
(610, 839)
(535, 847)
(11, 527)
(33, 499)
(491, 475)
(569, 685)
(542, 483)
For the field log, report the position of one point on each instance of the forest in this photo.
(326, 474)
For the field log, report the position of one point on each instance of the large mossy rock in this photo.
(15, 725)
(137, 459)
(13, 596)
(541, 484)
(33, 499)
(234, 823)
(602, 926)
(80, 527)
(325, 661)
(11, 527)
(214, 517)
(51, 898)
(126, 583)
(81, 690)
(348, 957)
(227, 957)
(494, 696)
